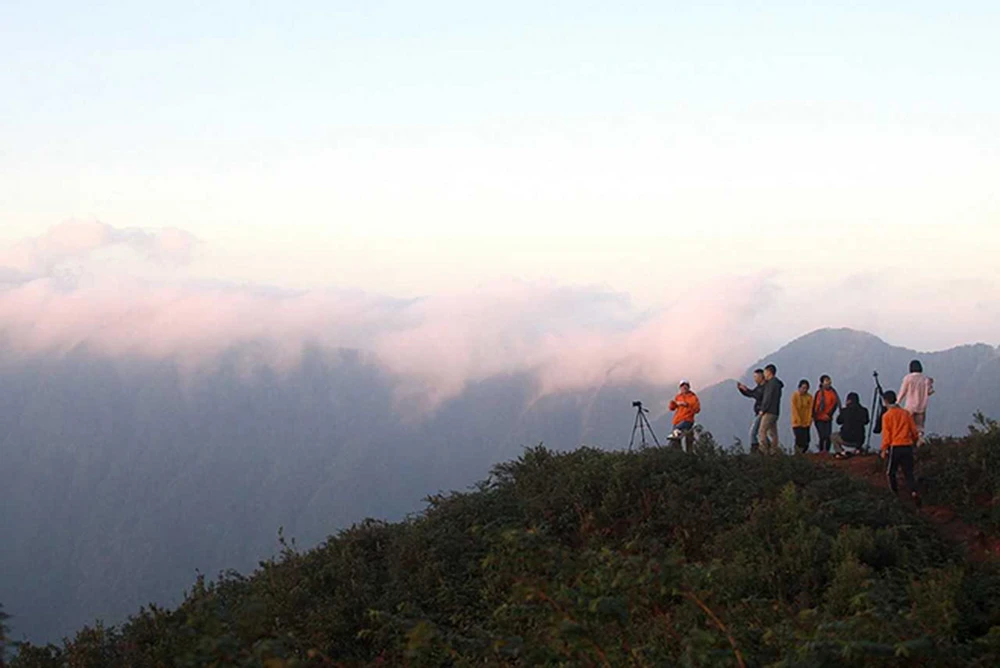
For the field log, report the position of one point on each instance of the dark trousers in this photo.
(824, 428)
(901, 457)
(801, 438)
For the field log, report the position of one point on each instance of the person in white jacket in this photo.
(914, 392)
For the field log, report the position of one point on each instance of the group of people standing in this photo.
(822, 409)
(901, 419)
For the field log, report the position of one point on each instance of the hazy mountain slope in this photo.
(122, 479)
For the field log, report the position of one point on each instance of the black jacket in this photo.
(756, 393)
(853, 419)
(770, 402)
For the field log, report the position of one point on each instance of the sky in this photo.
(695, 183)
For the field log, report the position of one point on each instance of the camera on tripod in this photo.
(641, 425)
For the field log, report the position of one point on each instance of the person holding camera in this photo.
(685, 406)
(756, 393)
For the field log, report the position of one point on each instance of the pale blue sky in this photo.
(407, 147)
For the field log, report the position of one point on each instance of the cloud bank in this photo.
(568, 337)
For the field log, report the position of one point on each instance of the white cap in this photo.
(683, 382)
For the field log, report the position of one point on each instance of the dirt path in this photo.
(980, 545)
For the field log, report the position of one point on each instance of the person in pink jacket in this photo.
(914, 392)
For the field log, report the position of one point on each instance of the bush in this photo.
(965, 473)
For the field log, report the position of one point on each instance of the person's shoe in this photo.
(916, 499)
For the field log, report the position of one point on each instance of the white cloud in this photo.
(569, 337)
(78, 239)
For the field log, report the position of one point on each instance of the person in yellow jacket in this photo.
(802, 410)
(899, 440)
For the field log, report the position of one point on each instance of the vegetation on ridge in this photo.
(964, 473)
(594, 558)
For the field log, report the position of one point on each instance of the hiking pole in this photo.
(642, 424)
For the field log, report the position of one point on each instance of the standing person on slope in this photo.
(825, 404)
(685, 406)
(756, 394)
(802, 405)
(914, 392)
(770, 407)
(899, 437)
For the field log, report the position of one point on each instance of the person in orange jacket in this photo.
(899, 439)
(825, 404)
(685, 406)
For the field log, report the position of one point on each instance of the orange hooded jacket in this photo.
(687, 412)
(898, 428)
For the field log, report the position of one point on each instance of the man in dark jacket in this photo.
(853, 419)
(756, 393)
(770, 407)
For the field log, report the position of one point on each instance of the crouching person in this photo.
(853, 418)
(899, 439)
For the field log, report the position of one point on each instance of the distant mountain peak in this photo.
(841, 334)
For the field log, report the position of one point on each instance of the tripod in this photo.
(642, 424)
(874, 415)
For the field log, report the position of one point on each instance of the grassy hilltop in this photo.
(591, 558)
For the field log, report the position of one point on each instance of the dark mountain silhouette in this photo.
(123, 478)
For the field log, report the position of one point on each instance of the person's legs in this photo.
(801, 439)
(824, 428)
(682, 435)
(769, 443)
(920, 419)
(904, 455)
(755, 434)
(891, 471)
(838, 443)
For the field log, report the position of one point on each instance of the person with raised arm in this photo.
(755, 393)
